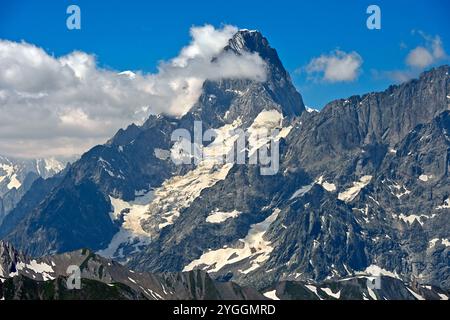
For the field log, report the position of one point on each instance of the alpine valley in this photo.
(362, 190)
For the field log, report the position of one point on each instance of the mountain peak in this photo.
(279, 82)
(251, 41)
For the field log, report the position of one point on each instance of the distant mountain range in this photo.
(46, 278)
(17, 175)
(362, 189)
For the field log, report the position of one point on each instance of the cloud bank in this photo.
(338, 66)
(430, 53)
(62, 106)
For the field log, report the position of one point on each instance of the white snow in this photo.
(414, 217)
(416, 295)
(163, 205)
(329, 292)
(253, 247)
(432, 243)
(259, 133)
(372, 294)
(179, 192)
(374, 270)
(9, 170)
(162, 154)
(247, 30)
(313, 289)
(129, 74)
(238, 92)
(350, 194)
(330, 187)
(52, 165)
(39, 268)
(442, 296)
(311, 110)
(396, 189)
(300, 192)
(446, 205)
(271, 295)
(219, 217)
(425, 178)
(108, 168)
(131, 231)
(10, 174)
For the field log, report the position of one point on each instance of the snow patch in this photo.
(129, 74)
(311, 110)
(372, 294)
(330, 187)
(300, 192)
(442, 296)
(259, 133)
(425, 178)
(131, 231)
(432, 242)
(313, 289)
(374, 270)
(392, 151)
(396, 189)
(416, 295)
(39, 268)
(14, 182)
(446, 205)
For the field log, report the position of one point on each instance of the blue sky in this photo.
(67, 82)
(136, 34)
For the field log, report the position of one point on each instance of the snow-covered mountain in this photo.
(17, 176)
(362, 188)
(14, 172)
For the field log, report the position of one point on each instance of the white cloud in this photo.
(61, 106)
(338, 66)
(425, 55)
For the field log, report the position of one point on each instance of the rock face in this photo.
(362, 187)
